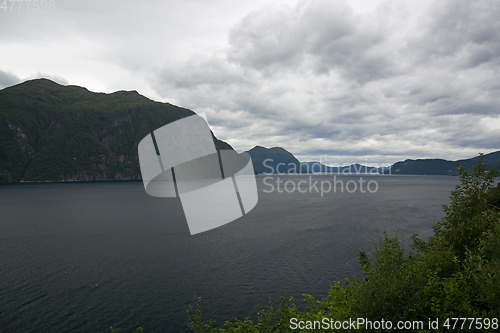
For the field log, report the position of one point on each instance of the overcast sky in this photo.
(364, 81)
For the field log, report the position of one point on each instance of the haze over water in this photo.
(81, 257)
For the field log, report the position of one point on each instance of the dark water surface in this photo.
(81, 257)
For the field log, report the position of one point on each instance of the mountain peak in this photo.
(274, 160)
(51, 132)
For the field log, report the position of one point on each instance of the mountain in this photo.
(50, 132)
(442, 167)
(409, 167)
(350, 169)
(274, 160)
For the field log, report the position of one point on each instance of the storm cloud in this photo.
(344, 81)
(319, 79)
(8, 79)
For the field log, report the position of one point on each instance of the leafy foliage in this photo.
(469, 214)
(455, 273)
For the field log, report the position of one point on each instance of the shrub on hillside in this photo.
(453, 274)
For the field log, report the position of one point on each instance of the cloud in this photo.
(54, 77)
(266, 37)
(379, 80)
(318, 78)
(464, 33)
(319, 35)
(8, 79)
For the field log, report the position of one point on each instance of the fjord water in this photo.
(81, 257)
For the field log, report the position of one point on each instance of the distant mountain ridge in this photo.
(274, 160)
(282, 161)
(50, 132)
(317, 167)
(442, 167)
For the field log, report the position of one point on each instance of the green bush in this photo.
(454, 273)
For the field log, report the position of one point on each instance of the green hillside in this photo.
(50, 132)
(442, 167)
